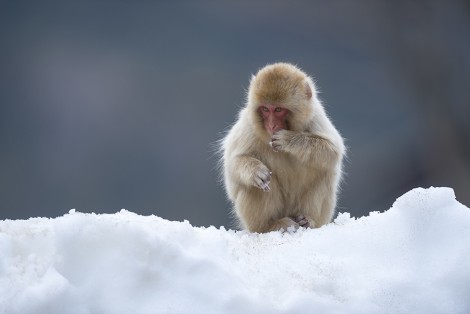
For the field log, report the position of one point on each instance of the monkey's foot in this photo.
(302, 221)
(283, 224)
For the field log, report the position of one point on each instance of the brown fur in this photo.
(305, 172)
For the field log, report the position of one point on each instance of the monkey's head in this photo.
(280, 97)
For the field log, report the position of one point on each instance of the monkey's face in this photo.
(274, 117)
(280, 97)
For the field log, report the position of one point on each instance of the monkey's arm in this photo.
(250, 171)
(308, 147)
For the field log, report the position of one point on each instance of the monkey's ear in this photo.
(308, 90)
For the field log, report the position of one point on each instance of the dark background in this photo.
(117, 104)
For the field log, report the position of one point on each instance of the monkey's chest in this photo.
(289, 174)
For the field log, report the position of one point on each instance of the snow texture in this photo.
(413, 258)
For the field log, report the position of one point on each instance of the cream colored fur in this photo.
(305, 172)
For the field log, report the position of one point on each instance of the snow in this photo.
(413, 258)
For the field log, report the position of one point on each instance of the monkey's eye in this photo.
(265, 109)
(278, 109)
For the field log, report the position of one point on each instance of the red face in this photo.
(274, 117)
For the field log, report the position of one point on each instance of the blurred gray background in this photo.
(117, 104)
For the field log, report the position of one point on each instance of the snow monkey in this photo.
(282, 158)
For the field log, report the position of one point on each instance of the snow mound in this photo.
(413, 258)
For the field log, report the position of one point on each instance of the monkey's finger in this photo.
(265, 175)
(277, 136)
(263, 185)
(276, 146)
(266, 188)
(266, 185)
(273, 143)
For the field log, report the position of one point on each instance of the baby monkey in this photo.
(282, 159)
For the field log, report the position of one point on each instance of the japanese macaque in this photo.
(282, 159)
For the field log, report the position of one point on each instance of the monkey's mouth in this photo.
(277, 126)
(272, 131)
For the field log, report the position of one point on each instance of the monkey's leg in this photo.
(318, 206)
(259, 211)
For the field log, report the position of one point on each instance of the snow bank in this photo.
(413, 258)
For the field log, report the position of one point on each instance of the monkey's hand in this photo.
(281, 140)
(309, 147)
(262, 177)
